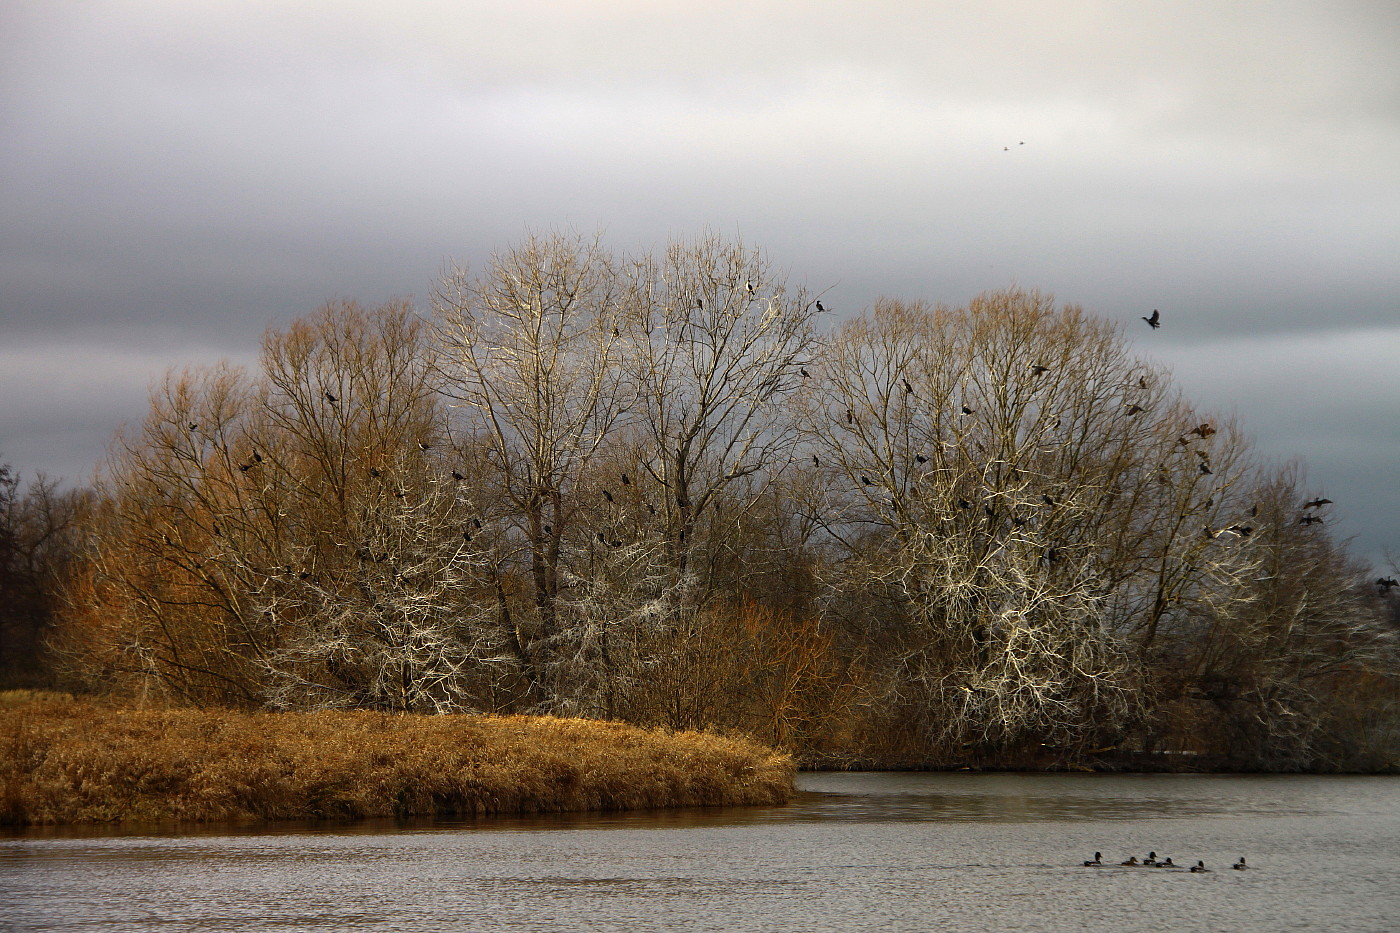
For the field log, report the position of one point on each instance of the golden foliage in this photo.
(64, 761)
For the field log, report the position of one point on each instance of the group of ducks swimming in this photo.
(1153, 862)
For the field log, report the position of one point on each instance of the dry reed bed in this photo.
(68, 761)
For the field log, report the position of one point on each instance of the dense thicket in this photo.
(659, 490)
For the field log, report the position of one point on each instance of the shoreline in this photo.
(66, 761)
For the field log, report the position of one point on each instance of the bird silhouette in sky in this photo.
(1385, 583)
(1155, 321)
(1317, 503)
(1310, 520)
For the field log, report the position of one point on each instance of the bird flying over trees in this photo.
(1317, 503)
(1155, 321)
(1202, 430)
(1385, 583)
(1310, 520)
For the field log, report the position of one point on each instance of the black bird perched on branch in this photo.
(850, 416)
(920, 458)
(803, 371)
(1317, 503)
(865, 480)
(1155, 321)
(820, 306)
(816, 461)
(1205, 469)
(457, 476)
(908, 389)
(373, 471)
(1135, 409)
(607, 495)
(193, 426)
(424, 445)
(966, 410)
(257, 457)
(331, 398)
(626, 480)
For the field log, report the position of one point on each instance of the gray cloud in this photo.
(178, 177)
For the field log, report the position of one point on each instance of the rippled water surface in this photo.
(874, 851)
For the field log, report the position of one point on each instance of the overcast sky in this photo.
(175, 177)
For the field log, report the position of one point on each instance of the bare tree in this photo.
(301, 539)
(530, 350)
(1011, 478)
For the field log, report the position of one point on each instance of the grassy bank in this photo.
(69, 761)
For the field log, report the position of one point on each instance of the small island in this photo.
(75, 761)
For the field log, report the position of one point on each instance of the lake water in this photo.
(871, 851)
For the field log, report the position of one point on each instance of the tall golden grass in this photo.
(70, 761)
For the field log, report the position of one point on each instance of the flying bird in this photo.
(1037, 369)
(1317, 503)
(1155, 321)
(1310, 520)
(1202, 430)
(1135, 409)
(1385, 583)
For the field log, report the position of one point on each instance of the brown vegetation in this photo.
(66, 761)
(653, 489)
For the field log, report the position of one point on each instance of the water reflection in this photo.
(851, 852)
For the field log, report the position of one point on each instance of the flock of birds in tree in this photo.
(1151, 861)
(1202, 431)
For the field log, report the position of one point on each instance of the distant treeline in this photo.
(67, 761)
(673, 490)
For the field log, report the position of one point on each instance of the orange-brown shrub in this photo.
(64, 761)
